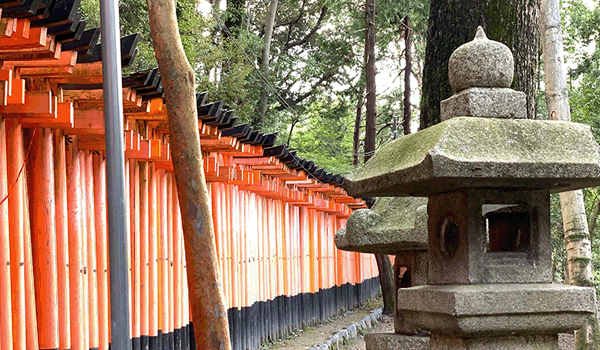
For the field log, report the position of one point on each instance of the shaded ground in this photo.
(310, 336)
(315, 335)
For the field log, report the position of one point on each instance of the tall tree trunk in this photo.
(386, 274)
(453, 23)
(357, 123)
(407, 73)
(577, 242)
(264, 93)
(371, 115)
(209, 313)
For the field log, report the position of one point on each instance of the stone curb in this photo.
(343, 336)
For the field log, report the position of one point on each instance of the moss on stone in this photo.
(482, 152)
(401, 153)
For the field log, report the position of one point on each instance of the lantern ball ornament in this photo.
(481, 63)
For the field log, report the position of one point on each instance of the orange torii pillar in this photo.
(62, 240)
(41, 184)
(93, 319)
(144, 254)
(15, 159)
(30, 309)
(76, 264)
(153, 282)
(6, 324)
(99, 165)
(163, 262)
(134, 205)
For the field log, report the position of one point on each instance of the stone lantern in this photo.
(393, 226)
(488, 173)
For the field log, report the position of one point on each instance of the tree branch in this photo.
(304, 96)
(312, 31)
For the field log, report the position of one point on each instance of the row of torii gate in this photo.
(275, 214)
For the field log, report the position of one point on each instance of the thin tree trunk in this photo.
(407, 71)
(593, 221)
(357, 123)
(264, 93)
(386, 274)
(577, 242)
(386, 280)
(371, 115)
(209, 313)
(289, 139)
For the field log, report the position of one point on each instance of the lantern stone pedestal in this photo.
(488, 178)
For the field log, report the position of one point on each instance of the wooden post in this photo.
(14, 161)
(75, 249)
(92, 270)
(41, 184)
(62, 240)
(144, 263)
(6, 323)
(153, 282)
(99, 165)
(30, 309)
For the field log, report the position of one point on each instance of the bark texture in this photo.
(453, 23)
(593, 221)
(386, 274)
(577, 237)
(209, 313)
(371, 113)
(386, 279)
(356, 137)
(407, 72)
(266, 55)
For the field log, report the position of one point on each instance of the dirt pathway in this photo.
(310, 336)
(315, 335)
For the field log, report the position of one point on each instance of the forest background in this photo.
(308, 81)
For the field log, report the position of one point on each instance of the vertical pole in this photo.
(144, 217)
(14, 160)
(152, 258)
(75, 272)
(41, 181)
(6, 331)
(92, 270)
(101, 249)
(115, 175)
(62, 240)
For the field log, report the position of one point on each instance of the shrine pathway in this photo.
(315, 335)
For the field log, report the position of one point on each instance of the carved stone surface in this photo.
(390, 341)
(474, 259)
(496, 309)
(469, 152)
(485, 103)
(527, 342)
(481, 63)
(393, 225)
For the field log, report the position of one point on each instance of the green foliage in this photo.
(325, 136)
(581, 31)
(316, 69)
